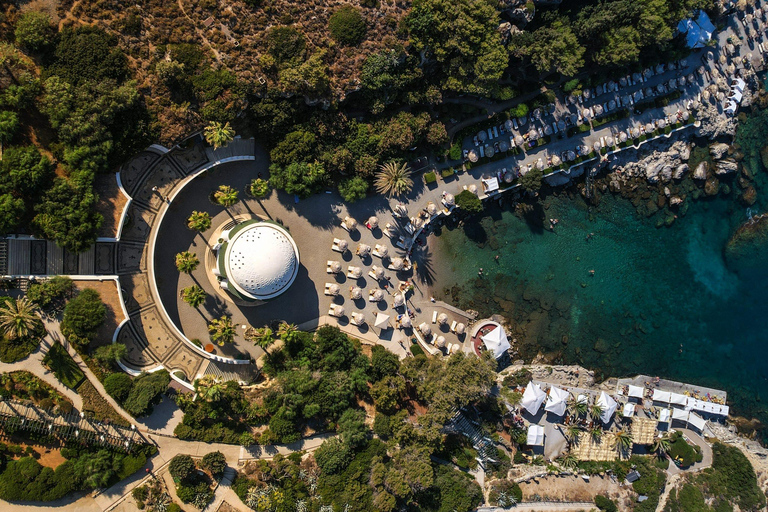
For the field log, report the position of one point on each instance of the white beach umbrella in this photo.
(609, 141)
(417, 222)
(659, 69)
(363, 250)
(648, 92)
(333, 289)
(705, 94)
(378, 272)
(540, 163)
(508, 177)
(622, 137)
(355, 293)
(556, 160)
(522, 121)
(571, 156)
(537, 114)
(473, 157)
(661, 89)
(598, 109)
(440, 342)
(519, 140)
(482, 136)
(648, 128)
(376, 295)
(382, 321)
(338, 310)
(431, 208)
(587, 93)
(508, 125)
(335, 267)
(372, 223)
(547, 130)
(442, 318)
(596, 145)
(400, 210)
(503, 146)
(382, 250)
(343, 245)
(586, 113)
(398, 300)
(489, 151)
(460, 328)
(561, 125)
(686, 115)
(584, 150)
(662, 123)
(350, 223)
(533, 134)
(720, 96)
(682, 63)
(425, 329)
(611, 104)
(449, 199)
(472, 188)
(623, 81)
(405, 321)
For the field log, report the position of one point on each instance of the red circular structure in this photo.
(477, 339)
(209, 348)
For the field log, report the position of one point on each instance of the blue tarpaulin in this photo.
(697, 32)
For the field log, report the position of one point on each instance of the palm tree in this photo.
(596, 433)
(394, 179)
(661, 445)
(573, 433)
(262, 338)
(186, 262)
(286, 331)
(595, 412)
(225, 196)
(222, 330)
(577, 407)
(18, 318)
(193, 295)
(208, 388)
(218, 135)
(258, 189)
(623, 440)
(199, 221)
(569, 462)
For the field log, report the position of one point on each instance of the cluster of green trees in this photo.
(615, 34)
(139, 395)
(25, 479)
(192, 486)
(83, 315)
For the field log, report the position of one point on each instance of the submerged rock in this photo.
(748, 196)
(680, 171)
(701, 171)
(712, 186)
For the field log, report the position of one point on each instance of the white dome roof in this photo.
(261, 260)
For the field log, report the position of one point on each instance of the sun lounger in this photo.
(400, 243)
(434, 317)
(453, 326)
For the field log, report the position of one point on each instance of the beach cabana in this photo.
(678, 399)
(664, 416)
(629, 410)
(372, 223)
(382, 321)
(680, 414)
(355, 292)
(557, 401)
(660, 396)
(533, 397)
(608, 405)
(635, 391)
(535, 435)
(497, 342)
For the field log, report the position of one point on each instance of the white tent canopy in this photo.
(533, 398)
(382, 321)
(680, 414)
(496, 341)
(664, 416)
(678, 399)
(697, 421)
(629, 410)
(557, 401)
(660, 396)
(635, 391)
(535, 435)
(608, 405)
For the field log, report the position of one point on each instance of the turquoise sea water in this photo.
(667, 302)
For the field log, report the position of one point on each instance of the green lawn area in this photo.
(63, 366)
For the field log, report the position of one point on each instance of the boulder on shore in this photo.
(700, 173)
(726, 166)
(718, 150)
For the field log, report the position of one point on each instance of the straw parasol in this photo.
(473, 157)
(597, 145)
(648, 128)
(503, 146)
(382, 250)
(440, 342)
(508, 125)
(372, 223)
(343, 245)
(378, 272)
(609, 141)
(460, 328)
(350, 223)
(355, 272)
(400, 210)
(449, 199)
(334, 289)
(431, 208)
(489, 151)
(561, 125)
(397, 264)
(363, 250)
(335, 267)
(355, 292)
(472, 188)
(482, 136)
(547, 130)
(442, 318)
(376, 295)
(598, 109)
(425, 329)
(533, 134)
(519, 140)
(398, 300)
(405, 322)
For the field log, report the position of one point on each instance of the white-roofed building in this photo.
(257, 260)
(533, 397)
(535, 435)
(497, 342)
(608, 405)
(557, 401)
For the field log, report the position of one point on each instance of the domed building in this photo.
(256, 260)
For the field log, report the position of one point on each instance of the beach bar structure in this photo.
(497, 342)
